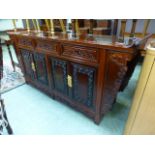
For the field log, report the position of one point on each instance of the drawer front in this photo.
(47, 46)
(26, 43)
(80, 52)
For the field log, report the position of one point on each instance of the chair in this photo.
(7, 42)
(55, 25)
(133, 33)
(4, 123)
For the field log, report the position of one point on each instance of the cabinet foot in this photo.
(97, 120)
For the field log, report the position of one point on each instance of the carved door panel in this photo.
(59, 74)
(28, 64)
(83, 84)
(41, 70)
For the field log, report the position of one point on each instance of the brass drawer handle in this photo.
(69, 80)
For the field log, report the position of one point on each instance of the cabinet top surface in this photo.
(93, 40)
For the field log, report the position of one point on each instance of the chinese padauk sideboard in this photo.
(84, 72)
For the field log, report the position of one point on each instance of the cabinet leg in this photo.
(97, 119)
(53, 96)
(113, 105)
(26, 81)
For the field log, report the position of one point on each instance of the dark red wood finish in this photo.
(97, 65)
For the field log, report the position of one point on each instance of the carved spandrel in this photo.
(120, 59)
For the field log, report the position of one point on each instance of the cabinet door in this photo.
(28, 64)
(59, 74)
(41, 70)
(83, 84)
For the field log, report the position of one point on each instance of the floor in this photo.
(31, 112)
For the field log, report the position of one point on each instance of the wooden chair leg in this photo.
(8, 127)
(10, 54)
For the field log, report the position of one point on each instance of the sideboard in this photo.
(85, 72)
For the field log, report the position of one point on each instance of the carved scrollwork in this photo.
(25, 42)
(40, 64)
(90, 73)
(83, 53)
(63, 65)
(111, 88)
(47, 46)
(120, 59)
(27, 59)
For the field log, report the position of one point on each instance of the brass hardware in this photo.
(69, 78)
(33, 67)
(62, 25)
(14, 24)
(38, 27)
(27, 25)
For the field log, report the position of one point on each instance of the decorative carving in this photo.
(41, 70)
(47, 46)
(113, 83)
(25, 42)
(91, 85)
(63, 65)
(82, 53)
(90, 72)
(27, 59)
(120, 59)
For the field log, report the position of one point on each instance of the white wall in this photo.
(6, 24)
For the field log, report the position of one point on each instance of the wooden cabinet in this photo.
(85, 74)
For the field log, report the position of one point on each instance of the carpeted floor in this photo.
(32, 112)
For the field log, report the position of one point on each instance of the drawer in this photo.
(25, 42)
(47, 46)
(80, 52)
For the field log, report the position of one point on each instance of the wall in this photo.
(6, 24)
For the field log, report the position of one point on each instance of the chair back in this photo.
(133, 33)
